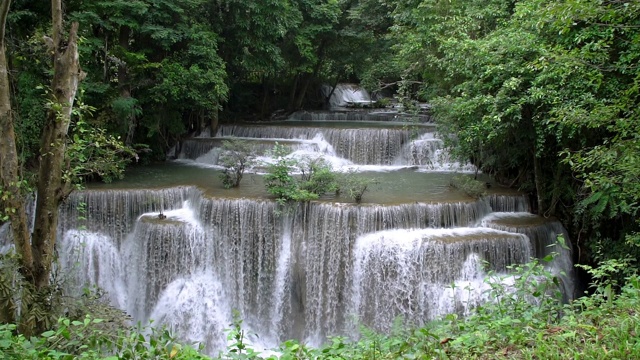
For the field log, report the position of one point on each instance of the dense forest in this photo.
(542, 95)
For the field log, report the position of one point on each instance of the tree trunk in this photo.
(51, 184)
(327, 99)
(294, 90)
(36, 253)
(309, 77)
(538, 179)
(123, 84)
(214, 121)
(9, 164)
(302, 93)
(9, 173)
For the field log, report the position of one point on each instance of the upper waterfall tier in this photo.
(375, 146)
(388, 115)
(341, 144)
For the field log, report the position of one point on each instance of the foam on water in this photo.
(195, 307)
(406, 272)
(187, 256)
(93, 258)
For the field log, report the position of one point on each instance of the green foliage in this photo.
(126, 107)
(540, 94)
(82, 339)
(469, 185)
(91, 152)
(382, 103)
(524, 318)
(237, 348)
(355, 186)
(24, 188)
(280, 180)
(235, 157)
(316, 178)
(30, 115)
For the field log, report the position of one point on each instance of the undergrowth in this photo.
(524, 319)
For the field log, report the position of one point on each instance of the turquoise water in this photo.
(390, 187)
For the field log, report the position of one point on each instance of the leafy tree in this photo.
(316, 178)
(542, 95)
(235, 157)
(355, 186)
(35, 249)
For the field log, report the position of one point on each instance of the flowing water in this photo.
(312, 270)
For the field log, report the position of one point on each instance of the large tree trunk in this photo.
(36, 250)
(51, 185)
(9, 173)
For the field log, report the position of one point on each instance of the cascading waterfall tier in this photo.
(544, 236)
(115, 212)
(208, 150)
(176, 248)
(405, 273)
(308, 271)
(373, 146)
(370, 115)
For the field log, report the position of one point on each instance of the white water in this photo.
(347, 95)
(322, 269)
(345, 149)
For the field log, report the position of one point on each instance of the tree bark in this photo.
(9, 163)
(51, 183)
(123, 83)
(294, 90)
(36, 250)
(9, 173)
(214, 120)
(538, 179)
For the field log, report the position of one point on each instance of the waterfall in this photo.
(543, 234)
(305, 272)
(347, 95)
(508, 203)
(187, 256)
(114, 212)
(386, 115)
(195, 307)
(361, 146)
(93, 258)
(401, 273)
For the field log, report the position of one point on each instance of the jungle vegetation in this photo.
(542, 95)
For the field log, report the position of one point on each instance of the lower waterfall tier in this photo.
(310, 271)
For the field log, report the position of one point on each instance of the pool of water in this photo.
(403, 185)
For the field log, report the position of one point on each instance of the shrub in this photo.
(382, 102)
(84, 340)
(470, 186)
(235, 157)
(316, 178)
(355, 186)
